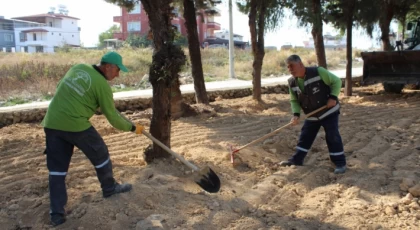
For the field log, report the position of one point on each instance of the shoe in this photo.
(340, 169)
(119, 188)
(418, 147)
(287, 163)
(57, 219)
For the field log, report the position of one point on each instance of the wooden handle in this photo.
(179, 157)
(277, 130)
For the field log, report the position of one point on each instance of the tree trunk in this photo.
(348, 82)
(195, 53)
(257, 42)
(317, 34)
(384, 23)
(163, 74)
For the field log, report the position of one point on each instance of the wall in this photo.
(140, 103)
(132, 104)
(6, 27)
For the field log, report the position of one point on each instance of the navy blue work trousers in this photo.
(332, 135)
(59, 150)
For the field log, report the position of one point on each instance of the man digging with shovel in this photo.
(311, 88)
(83, 89)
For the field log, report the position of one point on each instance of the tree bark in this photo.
(195, 53)
(384, 23)
(257, 42)
(166, 64)
(348, 82)
(317, 34)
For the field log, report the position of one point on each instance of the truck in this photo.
(395, 69)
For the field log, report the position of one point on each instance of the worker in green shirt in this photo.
(79, 94)
(311, 88)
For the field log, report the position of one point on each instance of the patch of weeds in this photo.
(118, 88)
(47, 97)
(209, 79)
(13, 101)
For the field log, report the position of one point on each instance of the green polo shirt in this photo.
(79, 94)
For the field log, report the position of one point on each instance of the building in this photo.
(136, 22)
(45, 32)
(7, 36)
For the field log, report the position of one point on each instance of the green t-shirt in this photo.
(79, 94)
(327, 77)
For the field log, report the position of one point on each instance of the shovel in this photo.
(206, 178)
(233, 151)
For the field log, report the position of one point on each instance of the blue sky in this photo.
(96, 16)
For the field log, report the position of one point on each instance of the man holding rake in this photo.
(311, 88)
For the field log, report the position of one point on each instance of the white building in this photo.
(44, 32)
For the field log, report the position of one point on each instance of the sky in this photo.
(96, 16)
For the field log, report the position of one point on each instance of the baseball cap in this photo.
(114, 58)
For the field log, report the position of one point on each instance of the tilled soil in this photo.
(379, 131)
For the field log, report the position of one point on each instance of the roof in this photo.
(35, 30)
(41, 17)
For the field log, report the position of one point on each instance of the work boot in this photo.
(57, 219)
(287, 163)
(119, 188)
(340, 169)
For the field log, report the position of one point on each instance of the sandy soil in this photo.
(379, 131)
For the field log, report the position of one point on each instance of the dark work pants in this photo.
(332, 135)
(59, 150)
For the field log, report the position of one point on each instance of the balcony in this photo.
(213, 25)
(117, 19)
(118, 35)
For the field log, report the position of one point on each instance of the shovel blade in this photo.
(208, 180)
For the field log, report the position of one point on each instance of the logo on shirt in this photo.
(315, 90)
(80, 82)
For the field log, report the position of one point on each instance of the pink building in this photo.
(137, 22)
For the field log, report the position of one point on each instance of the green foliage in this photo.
(129, 4)
(180, 40)
(108, 34)
(274, 12)
(138, 41)
(363, 13)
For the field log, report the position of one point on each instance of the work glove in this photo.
(139, 129)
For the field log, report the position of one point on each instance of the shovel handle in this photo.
(277, 130)
(179, 157)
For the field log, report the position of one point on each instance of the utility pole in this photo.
(231, 45)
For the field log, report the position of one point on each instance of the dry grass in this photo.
(34, 76)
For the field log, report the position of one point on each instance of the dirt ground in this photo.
(380, 132)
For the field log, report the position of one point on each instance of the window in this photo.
(39, 49)
(23, 37)
(178, 27)
(136, 9)
(133, 26)
(51, 24)
(175, 11)
(8, 37)
(34, 37)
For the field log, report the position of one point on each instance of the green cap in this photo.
(114, 58)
